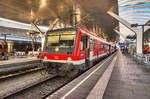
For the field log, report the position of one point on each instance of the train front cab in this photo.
(60, 50)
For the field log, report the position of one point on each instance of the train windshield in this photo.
(61, 39)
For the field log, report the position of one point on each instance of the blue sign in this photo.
(82, 54)
(122, 44)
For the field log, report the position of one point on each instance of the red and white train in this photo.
(71, 49)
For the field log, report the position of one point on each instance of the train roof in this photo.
(83, 31)
(94, 36)
(64, 29)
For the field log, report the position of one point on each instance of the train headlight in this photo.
(69, 59)
(56, 49)
(45, 57)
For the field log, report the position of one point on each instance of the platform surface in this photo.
(13, 60)
(80, 87)
(129, 80)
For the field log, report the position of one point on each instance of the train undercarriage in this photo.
(68, 69)
(61, 69)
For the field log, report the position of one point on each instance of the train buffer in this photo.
(117, 77)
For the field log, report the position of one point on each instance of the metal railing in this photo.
(147, 59)
(30, 53)
(142, 58)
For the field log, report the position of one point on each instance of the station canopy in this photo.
(135, 12)
(42, 12)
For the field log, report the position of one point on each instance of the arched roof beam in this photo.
(142, 7)
(138, 18)
(133, 11)
(134, 3)
(134, 14)
(123, 1)
(148, 22)
(132, 21)
(127, 1)
(121, 20)
(119, 33)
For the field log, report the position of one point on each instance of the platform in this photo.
(80, 87)
(14, 59)
(18, 63)
(129, 80)
(124, 78)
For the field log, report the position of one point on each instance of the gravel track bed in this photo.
(40, 90)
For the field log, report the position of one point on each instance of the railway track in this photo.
(79, 76)
(9, 68)
(51, 92)
(15, 82)
(21, 82)
(5, 76)
(40, 90)
(52, 82)
(42, 86)
(15, 69)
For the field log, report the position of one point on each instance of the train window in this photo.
(82, 43)
(62, 39)
(93, 44)
(99, 45)
(106, 46)
(53, 41)
(67, 40)
(103, 46)
(81, 46)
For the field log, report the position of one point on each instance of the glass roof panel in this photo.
(135, 11)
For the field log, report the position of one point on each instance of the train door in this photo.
(109, 51)
(85, 47)
(91, 50)
(87, 51)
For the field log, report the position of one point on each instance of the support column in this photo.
(139, 41)
(10, 45)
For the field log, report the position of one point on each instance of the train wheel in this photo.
(73, 73)
(91, 64)
(63, 70)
